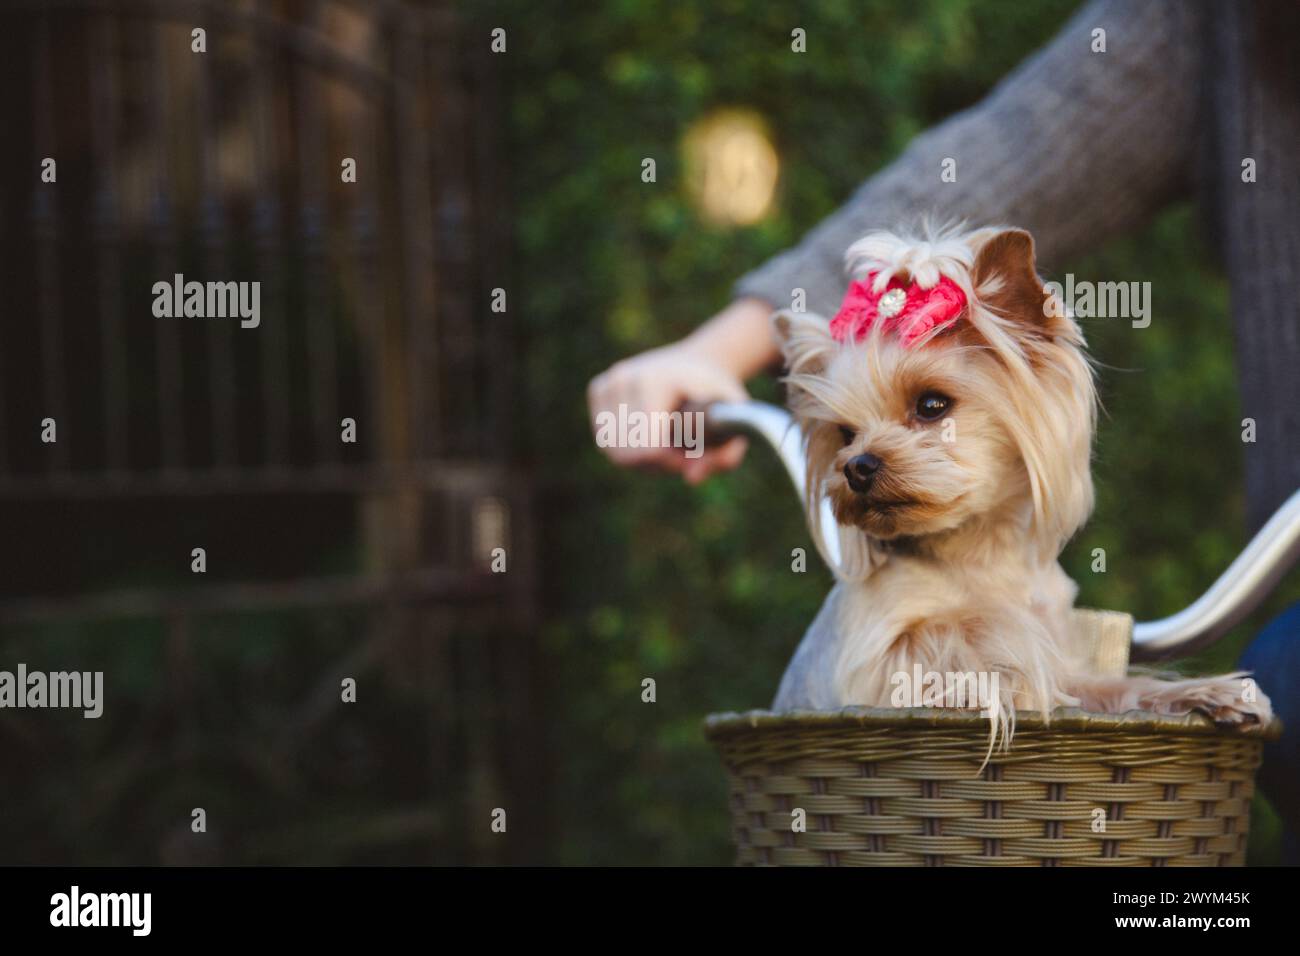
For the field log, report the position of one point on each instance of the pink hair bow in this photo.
(905, 309)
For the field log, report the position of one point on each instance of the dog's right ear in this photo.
(805, 341)
(1006, 280)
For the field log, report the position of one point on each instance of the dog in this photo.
(948, 411)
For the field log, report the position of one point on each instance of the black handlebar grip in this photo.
(714, 433)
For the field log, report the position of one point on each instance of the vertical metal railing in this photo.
(373, 294)
(269, 244)
(213, 232)
(164, 235)
(309, 90)
(394, 256)
(224, 166)
(108, 235)
(360, 252)
(421, 320)
(218, 164)
(45, 215)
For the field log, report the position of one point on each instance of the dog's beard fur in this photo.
(949, 558)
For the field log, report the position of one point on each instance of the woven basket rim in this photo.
(1070, 719)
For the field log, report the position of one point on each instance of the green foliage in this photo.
(645, 578)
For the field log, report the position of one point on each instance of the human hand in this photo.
(660, 381)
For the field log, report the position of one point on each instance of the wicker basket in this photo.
(885, 787)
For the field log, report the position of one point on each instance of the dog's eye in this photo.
(931, 406)
(847, 434)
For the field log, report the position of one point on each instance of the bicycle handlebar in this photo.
(1238, 591)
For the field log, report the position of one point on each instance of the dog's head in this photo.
(989, 414)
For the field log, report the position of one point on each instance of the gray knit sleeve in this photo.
(1074, 146)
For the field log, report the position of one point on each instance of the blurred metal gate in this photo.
(376, 307)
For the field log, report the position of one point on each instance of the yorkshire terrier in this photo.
(948, 411)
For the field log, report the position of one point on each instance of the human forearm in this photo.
(739, 338)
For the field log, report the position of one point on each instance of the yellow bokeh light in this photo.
(731, 167)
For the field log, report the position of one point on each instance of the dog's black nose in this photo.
(861, 471)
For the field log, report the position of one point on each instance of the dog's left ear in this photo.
(1006, 280)
(805, 341)
(1042, 349)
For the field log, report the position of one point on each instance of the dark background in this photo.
(521, 171)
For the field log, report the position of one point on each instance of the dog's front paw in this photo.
(1232, 702)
